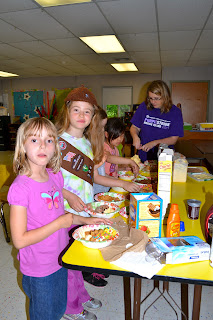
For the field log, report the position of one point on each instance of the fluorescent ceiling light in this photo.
(54, 3)
(7, 74)
(103, 44)
(124, 66)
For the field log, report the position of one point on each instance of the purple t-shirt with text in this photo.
(155, 125)
(44, 203)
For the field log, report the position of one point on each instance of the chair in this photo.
(4, 175)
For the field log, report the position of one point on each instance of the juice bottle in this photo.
(173, 222)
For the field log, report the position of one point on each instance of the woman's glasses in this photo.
(154, 99)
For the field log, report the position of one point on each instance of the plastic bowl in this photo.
(79, 233)
(91, 207)
(105, 196)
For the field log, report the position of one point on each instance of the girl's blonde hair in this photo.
(95, 134)
(161, 89)
(31, 127)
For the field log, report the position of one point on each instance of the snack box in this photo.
(165, 177)
(145, 213)
(182, 249)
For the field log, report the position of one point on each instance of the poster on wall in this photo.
(27, 104)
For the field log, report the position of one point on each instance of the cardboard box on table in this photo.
(165, 177)
(145, 213)
(182, 249)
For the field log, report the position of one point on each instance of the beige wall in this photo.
(95, 83)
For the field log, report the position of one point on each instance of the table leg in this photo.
(137, 299)
(196, 302)
(127, 298)
(184, 300)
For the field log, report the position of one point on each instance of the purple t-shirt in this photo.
(155, 125)
(44, 203)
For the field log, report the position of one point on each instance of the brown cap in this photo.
(81, 94)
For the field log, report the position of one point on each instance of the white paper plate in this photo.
(79, 233)
(121, 197)
(91, 207)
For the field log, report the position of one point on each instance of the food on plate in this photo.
(106, 197)
(104, 209)
(96, 235)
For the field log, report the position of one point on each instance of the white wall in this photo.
(95, 83)
(192, 74)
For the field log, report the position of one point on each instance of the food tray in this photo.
(79, 233)
(91, 207)
(112, 195)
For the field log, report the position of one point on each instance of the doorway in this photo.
(193, 98)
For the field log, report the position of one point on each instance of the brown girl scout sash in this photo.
(76, 162)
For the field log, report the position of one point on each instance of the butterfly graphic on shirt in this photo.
(51, 199)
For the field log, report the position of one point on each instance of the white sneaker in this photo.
(92, 304)
(84, 315)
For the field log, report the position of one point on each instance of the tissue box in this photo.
(145, 213)
(182, 249)
(165, 177)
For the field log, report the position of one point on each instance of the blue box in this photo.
(182, 249)
(145, 213)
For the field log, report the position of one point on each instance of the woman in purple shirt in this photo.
(156, 121)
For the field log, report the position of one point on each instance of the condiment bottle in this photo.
(173, 222)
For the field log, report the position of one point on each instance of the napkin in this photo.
(128, 251)
(129, 240)
(140, 263)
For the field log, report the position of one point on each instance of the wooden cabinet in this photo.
(12, 135)
(4, 133)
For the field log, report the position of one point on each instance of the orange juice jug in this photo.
(173, 222)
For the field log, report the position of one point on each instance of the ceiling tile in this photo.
(10, 52)
(182, 15)
(9, 33)
(11, 5)
(69, 46)
(178, 40)
(206, 40)
(89, 59)
(41, 26)
(175, 55)
(209, 24)
(36, 47)
(81, 19)
(140, 42)
(145, 56)
(202, 54)
(133, 16)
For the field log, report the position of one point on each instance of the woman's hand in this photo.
(136, 142)
(146, 147)
(130, 186)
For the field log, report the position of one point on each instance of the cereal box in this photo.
(145, 213)
(165, 177)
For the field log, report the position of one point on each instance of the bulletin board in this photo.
(26, 104)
